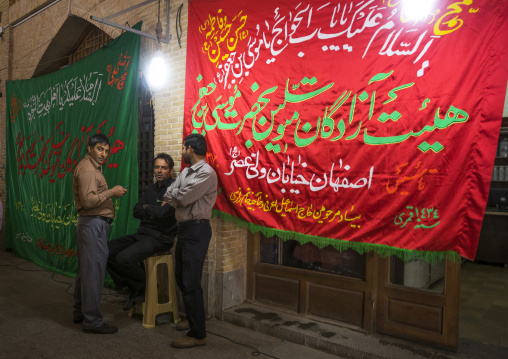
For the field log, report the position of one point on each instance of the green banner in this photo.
(49, 121)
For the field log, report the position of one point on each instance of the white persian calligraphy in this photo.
(327, 22)
(78, 89)
(291, 173)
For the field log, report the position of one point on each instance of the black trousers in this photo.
(125, 255)
(190, 254)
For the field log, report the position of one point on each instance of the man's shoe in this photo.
(103, 329)
(77, 320)
(135, 297)
(182, 325)
(187, 342)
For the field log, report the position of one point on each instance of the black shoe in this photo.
(135, 297)
(103, 329)
(77, 320)
(140, 298)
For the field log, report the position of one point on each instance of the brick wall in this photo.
(4, 76)
(21, 49)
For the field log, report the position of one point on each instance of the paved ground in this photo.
(36, 322)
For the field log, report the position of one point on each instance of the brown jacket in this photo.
(90, 189)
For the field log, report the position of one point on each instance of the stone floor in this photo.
(35, 322)
(484, 303)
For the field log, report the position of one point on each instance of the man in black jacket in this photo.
(156, 233)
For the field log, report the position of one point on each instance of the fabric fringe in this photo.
(406, 255)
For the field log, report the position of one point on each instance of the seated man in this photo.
(156, 233)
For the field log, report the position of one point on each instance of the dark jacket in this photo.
(157, 220)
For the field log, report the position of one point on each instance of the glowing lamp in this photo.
(415, 10)
(157, 74)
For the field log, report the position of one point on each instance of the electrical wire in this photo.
(256, 351)
(147, 7)
(88, 12)
(69, 285)
(50, 61)
(179, 24)
(43, 44)
(32, 51)
(25, 55)
(123, 296)
(24, 270)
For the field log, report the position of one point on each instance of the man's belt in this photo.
(190, 223)
(108, 220)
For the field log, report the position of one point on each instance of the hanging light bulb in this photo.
(158, 70)
(415, 10)
(157, 74)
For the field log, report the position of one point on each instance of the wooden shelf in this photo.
(493, 242)
(495, 213)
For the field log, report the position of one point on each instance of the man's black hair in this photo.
(98, 138)
(165, 157)
(197, 142)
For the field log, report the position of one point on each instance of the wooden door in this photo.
(319, 293)
(413, 311)
(415, 301)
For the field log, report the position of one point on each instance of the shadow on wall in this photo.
(2, 200)
(2, 179)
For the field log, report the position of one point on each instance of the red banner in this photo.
(354, 124)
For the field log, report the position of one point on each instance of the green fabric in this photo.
(49, 121)
(404, 254)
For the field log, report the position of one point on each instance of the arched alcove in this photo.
(76, 39)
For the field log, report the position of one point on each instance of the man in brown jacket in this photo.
(96, 213)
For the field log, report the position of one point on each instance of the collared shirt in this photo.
(156, 218)
(194, 192)
(91, 194)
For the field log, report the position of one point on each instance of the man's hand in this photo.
(118, 191)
